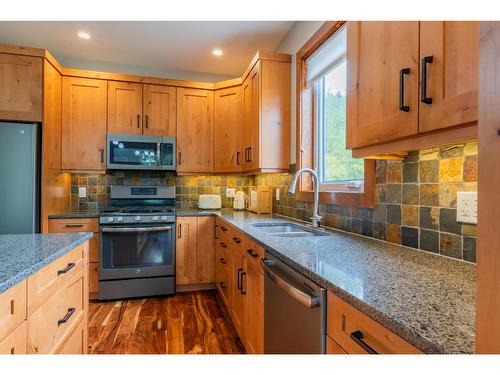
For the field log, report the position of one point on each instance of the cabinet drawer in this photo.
(52, 277)
(12, 308)
(93, 277)
(345, 322)
(76, 342)
(253, 253)
(73, 225)
(332, 347)
(15, 343)
(52, 324)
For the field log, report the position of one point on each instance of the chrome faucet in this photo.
(315, 219)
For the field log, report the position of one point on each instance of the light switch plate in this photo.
(82, 192)
(277, 194)
(467, 207)
(230, 192)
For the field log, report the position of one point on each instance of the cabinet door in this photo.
(253, 287)
(228, 125)
(451, 79)
(247, 120)
(20, 88)
(254, 145)
(382, 69)
(185, 257)
(237, 267)
(160, 110)
(195, 130)
(84, 103)
(205, 249)
(124, 107)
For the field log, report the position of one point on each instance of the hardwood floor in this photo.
(191, 322)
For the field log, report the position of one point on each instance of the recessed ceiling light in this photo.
(217, 52)
(84, 35)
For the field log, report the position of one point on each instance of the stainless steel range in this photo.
(138, 243)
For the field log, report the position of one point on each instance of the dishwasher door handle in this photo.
(297, 294)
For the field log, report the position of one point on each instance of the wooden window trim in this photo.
(305, 132)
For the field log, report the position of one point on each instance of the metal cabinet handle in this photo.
(252, 253)
(402, 106)
(68, 315)
(138, 121)
(101, 155)
(236, 239)
(147, 121)
(223, 244)
(250, 154)
(357, 337)
(67, 269)
(179, 231)
(237, 158)
(423, 95)
(224, 229)
(240, 270)
(297, 294)
(74, 225)
(244, 292)
(222, 260)
(179, 159)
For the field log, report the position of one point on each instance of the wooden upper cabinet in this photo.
(195, 112)
(124, 107)
(20, 88)
(247, 128)
(84, 104)
(382, 69)
(451, 66)
(160, 109)
(228, 125)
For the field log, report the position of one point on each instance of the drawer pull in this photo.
(236, 239)
(240, 271)
(222, 260)
(223, 244)
(252, 253)
(70, 312)
(67, 269)
(12, 305)
(223, 229)
(357, 337)
(74, 225)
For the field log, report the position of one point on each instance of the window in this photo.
(322, 65)
(336, 167)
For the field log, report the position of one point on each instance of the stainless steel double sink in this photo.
(284, 229)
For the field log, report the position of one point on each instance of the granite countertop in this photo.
(74, 215)
(427, 299)
(21, 255)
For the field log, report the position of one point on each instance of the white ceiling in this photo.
(179, 49)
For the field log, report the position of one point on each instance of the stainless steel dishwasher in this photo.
(294, 311)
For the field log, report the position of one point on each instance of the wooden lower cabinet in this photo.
(240, 282)
(83, 225)
(343, 320)
(194, 248)
(48, 312)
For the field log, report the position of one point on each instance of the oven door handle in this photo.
(138, 229)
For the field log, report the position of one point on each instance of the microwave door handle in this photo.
(138, 229)
(158, 156)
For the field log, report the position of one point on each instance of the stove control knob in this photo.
(155, 218)
(110, 219)
(138, 218)
(119, 219)
(164, 218)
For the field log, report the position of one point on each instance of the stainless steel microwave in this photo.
(141, 152)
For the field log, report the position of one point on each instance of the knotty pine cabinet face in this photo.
(228, 126)
(382, 66)
(160, 110)
(124, 108)
(251, 119)
(253, 284)
(451, 77)
(195, 125)
(20, 88)
(84, 112)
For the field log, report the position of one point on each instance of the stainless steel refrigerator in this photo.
(19, 178)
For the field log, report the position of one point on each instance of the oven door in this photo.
(137, 252)
(133, 152)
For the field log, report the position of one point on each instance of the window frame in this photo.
(306, 134)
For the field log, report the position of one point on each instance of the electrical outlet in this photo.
(467, 207)
(277, 194)
(230, 192)
(82, 192)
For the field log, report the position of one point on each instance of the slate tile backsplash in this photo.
(415, 202)
(415, 198)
